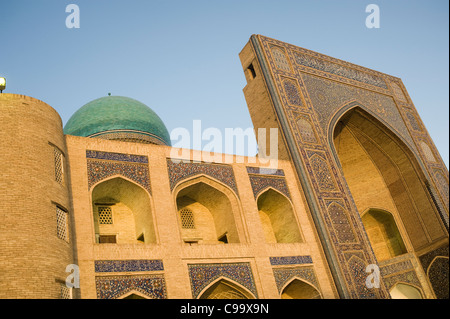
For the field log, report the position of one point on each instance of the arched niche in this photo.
(382, 171)
(214, 209)
(299, 289)
(278, 218)
(405, 291)
(383, 234)
(224, 288)
(122, 213)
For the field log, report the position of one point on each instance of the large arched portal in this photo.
(381, 171)
(206, 214)
(122, 213)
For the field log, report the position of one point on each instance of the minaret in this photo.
(36, 238)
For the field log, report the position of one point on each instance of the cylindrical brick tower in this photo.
(36, 237)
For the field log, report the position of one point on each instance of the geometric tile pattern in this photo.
(338, 69)
(436, 265)
(201, 275)
(101, 165)
(398, 91)
(340, 222)
(292, 92)
(128, 265)
(112, 287)
(280, 58)
(180, 170)
(261, 182)
(291, 260)
(284, 275)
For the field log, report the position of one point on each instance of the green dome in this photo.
(118, 118)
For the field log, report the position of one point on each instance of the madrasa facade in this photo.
(357, 206)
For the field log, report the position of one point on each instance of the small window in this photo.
(59, 165)
(62, 229)
(105, 215)
(107, 239)
(251, 72)
(223, 238)
(65, 292)
(187, 218)
(141, 238)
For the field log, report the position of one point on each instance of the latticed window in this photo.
(66, 292)
(105, 215)
(62, 225)
(187, 218)
(59, 166)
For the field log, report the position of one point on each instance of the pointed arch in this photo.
(122, 212)
(358, 106)
(225, 288)
(216, 210)
(298, 288)
(278, 217)
(393, 176)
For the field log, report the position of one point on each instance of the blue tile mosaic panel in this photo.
(201, 275)
(260, 183)
(134, 169)
(284, 275)
(128, 265)
(113, 287)
(338, 69)
(290, 260)
(179, 171)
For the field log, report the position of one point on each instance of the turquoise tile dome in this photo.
(118, 118)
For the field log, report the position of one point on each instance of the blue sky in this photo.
(181, 57)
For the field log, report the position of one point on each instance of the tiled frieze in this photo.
(290, 260)
(128, 265)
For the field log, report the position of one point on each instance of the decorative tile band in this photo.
(128, 265)
(261, 183)
(338, 69)
(284, 275)
(181, 170)
(265, 171)
(201, 275)
(291, 260)
(112, 287)
(116, 157)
